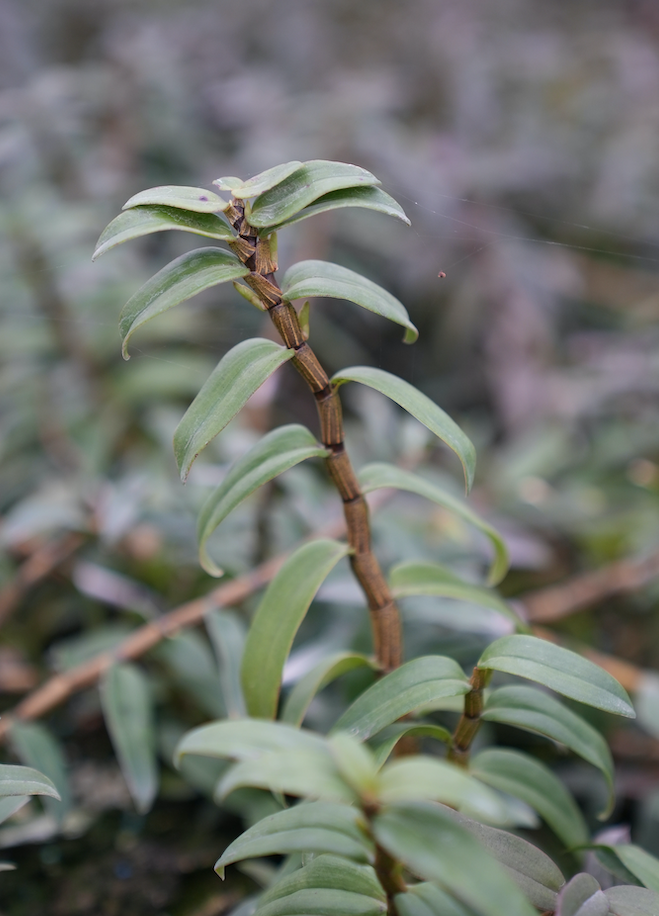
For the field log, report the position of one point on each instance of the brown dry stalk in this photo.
(255, 253)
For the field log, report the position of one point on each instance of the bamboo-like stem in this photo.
(255, 253)
(470, 720)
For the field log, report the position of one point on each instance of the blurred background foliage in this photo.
(521, 137)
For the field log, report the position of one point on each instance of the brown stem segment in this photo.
(470, 720)
(255, 253)
(390, 876)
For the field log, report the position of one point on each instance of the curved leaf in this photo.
(632, 901)
(182, 197)
(234, 380)
(306, 184)
(535, 711)
(178, 281)
(383, 749)
(640, 863)
(227, 634)
(323, 901)
(532, 782)
(128, 713)
(582, 896)
(370, 198)
(427, 899)
(10, 804)
(420, 406)
(305, 773)
(299, 699)
(560, 669)
(321, 278)
(132, 224)
(246, 739)
(422, 578)
(36, 747)
(16, 780)
(380, 475)
(277, 619)
(264, 180)
(327, 871)
(275, 453)
(418, 683)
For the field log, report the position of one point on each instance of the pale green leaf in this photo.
(640, 863)
(532, 782)
(427, 899)
(322, 278)
(265, 180)
(199, 200)
(379, 475)
(181, 279)
(400, 730)
(273, 454)
(246, 739)
(369, 198)
(36, 747)
(632, 901)
(234, 380)
(433, 846)
(355, 763)
(419, 406)
(227, 633)
(299, 699)
(328, 871)
(323, 901)
(132, 224)
(306, 184)
(558, 668)
(17, 780)
(277, 619)
(536, 711)
(10, 804)
(191, 661)
(582, 896)
(127, 708)
(417, 684)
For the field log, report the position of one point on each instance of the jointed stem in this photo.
(385, 619)
(470, 720)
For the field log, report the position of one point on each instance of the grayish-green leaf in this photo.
(532, 782)
(181, 279)
(277, 619)
(132, 224)
(127, 707)
(435, 847)
(246, 739)
(299, 699)
(275, 453)
(199, 200)
(380, 475)
(306, 184)
(558, 668)
(582, 896)
(632, 901)
(236, 377)
(191, 661)
(227, 633)
(17, 780)
(265, 180)
(323, 901)
(427, 899)
(536, 711)
(36, 747)
(369, 198)
(419, 406)
(328, 871)
(10, 804)
(640, 863)
(322, 278)
(416, 684)
(383, 748)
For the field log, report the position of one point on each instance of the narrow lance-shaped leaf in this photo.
(263, 181)
(10, 804)
(132, 224)
(424, 578)
(369, 198)
(322, 278)
(236, 377)
(535, 711)
(275, 453)
(420, 407)
(278, 618)
(227, 633)
(246, 739)
(322, 674)
(560, 669)
(428, 899)
(383, 746)
(36, 747)
(327, 871)
(17, 780)
(182, 197)
(181, 279)
(306, 184)
(380, 475)
(127, 708)
(639, 862)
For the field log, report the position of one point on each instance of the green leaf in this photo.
(560, 669)
(535, 711)
(131, 224)
(419, 406)
(355, 763)
(582, 896)
(315, 827)
(16, 780)
(327, 871)
(383, 749)
(227, 634)
(379, 475)
(370, 198)
(199, 200)
(533, 783)
(640, 863)
(191, 661)
(418, 683)
(36, 747)
(246, 739)
(428, 899)
(432, 845)
(310, 181)
(422, 578)
(277, 619)
(632, 901)
(10, 804)
(299, 699)
(265, 180)
(419, 778)
(322, 278)
(127, 708)
(275, 453)
(323, 902)
(178, 281)
(234, 380)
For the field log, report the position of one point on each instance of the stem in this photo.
(390, 876)
(470, 720)
(385, 618)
